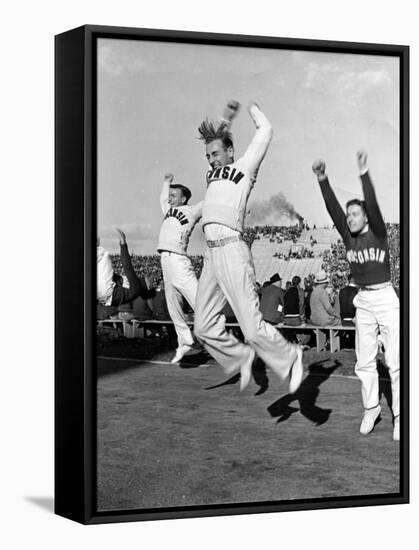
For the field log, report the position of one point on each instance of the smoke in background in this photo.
(273, 211)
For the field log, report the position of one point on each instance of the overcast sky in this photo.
(152, 96)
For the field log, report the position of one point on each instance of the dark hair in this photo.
(117, 278)
(210, 131)
(296, 280)
(357, 202)
(185, 191)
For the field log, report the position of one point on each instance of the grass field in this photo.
(179, 435)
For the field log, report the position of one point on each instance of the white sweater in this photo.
(178, 223)
(229, 187)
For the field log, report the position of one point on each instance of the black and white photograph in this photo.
(248, 275)
(198, 338)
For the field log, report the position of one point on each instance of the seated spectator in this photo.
(272, 300)
(346, 298)
(104, 312)
(322, 312)
(125, 312)
(294, 314)
(160, 311)
(307, 294)
(110, 289)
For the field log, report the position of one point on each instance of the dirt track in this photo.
(171, 435)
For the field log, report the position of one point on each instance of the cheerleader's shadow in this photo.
(306, 396)
(194, 359)
(259, 376)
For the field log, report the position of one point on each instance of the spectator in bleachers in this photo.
(308, 289)
(125, 311)
(272, 300)
(160, 311)
(105, 312)
(346, 299)
(347, 311)
(273, 233)
(294, 313)
(322, 312)
(334, 259)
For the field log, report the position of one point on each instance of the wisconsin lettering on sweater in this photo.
(226, 173)
(367, 253)
(176, 213)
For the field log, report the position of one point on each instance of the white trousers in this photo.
(228, 274)
(179, 281)
(377, 311)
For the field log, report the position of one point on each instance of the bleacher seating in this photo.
(135, 329)
(268, 241)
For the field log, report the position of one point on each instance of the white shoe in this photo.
(369, 420)
(296, 373)
(246, 372)
(180, 352)
(396, 429)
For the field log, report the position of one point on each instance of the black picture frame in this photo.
(75, 242)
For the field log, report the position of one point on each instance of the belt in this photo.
(170, 253)
(372, 288)
(223, 242)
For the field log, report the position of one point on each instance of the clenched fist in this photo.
(362, 157)
(319, 167)
(231, 110)
(169, 177)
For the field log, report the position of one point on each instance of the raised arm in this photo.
(375, 218)
(260, 143)
(164, 195)
(335, 210)
(230, 112)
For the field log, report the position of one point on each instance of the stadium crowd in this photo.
(291, 303)
(275, 233)
(297, 255)
(149, 266)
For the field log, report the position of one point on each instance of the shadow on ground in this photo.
(306, 396)
(194, 360)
